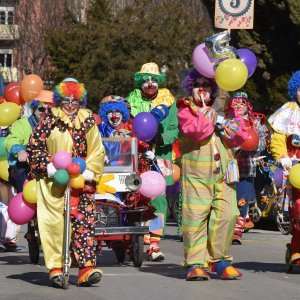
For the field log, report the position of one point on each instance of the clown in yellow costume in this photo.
(71, 128)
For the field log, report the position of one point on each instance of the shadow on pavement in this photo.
(168, 270)
(261, 267)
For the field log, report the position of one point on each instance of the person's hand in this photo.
(22, 156)
(88, 175)
(51, 170)
(220, 119)
(149, 154)
(285, 162)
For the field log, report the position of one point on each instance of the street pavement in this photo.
(260, 259)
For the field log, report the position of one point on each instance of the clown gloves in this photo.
(149, 154)
(285, 162)
(220, 119)
(51, 170)
(88, 175)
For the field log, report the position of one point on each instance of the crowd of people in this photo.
(218, 170)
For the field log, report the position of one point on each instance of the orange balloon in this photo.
(30, 87)
(176, 173)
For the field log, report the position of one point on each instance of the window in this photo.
(6, 58)
(6, 15)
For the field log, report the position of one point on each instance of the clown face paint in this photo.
(114, 119)
(40, 112)
(150, 87)
(240, 106)
(70, 106)
(202, 90)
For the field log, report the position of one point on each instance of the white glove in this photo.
(149, 154)
(88, 175)
(106, 160)
(51, 170)
(285, 162)
(220, 119)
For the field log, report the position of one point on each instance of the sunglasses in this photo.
(41, 109)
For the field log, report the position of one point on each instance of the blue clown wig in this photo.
(293, 85)
(113, 103)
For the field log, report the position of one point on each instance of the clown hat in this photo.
(240, 94)
(45, 96)
(150, 69)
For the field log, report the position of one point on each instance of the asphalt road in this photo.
(260, 258)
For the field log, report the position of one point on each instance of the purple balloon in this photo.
(173, 189)
(144, 126)
(278, 177)
(202, 61)
(249, 59)
(19, 211)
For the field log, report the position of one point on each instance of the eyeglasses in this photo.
(72, 101)
(238, 104)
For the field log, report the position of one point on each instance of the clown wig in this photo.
(189, 81)
(70, 89)
(293, 85)
(113, 103)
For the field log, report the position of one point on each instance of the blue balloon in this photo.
(81, 162)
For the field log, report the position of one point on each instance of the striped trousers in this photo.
(209, 212)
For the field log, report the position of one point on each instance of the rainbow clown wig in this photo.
(293, 85)
(113, 103)
(70, 89)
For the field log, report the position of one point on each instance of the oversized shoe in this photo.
(155, 255)
(196, 273)
(55, 277)
(225, 270)
(292, 260)
(89, 276)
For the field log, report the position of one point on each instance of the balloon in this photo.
(30, 87)
(61, 177)
(173, 189)
(73, 169)
(278, 177)
(202, 61)
(77, 182)
(12, 93)
(249, 59)
(144, 126)
(61, 160)
(294, 176)
(9, 113)
(231, 74)
(29, 191)
(97, 119)
(153, 184)
(176, 173)
(81, 162)
(252, 142)
(4, 169)
(3, 152)
(19, 211)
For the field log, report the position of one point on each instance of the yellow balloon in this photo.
(77, 182)
(9, 113)
(231, 74)
(4, 169)
(294, 176)
(29, 191)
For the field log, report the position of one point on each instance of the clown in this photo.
(208, 199)
(285, 148)
(68, 127)
(247, 166)
(149, 97)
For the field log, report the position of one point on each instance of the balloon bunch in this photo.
(230, 67)
(69, 171)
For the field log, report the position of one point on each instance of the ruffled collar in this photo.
(286, 119)
(82, 115)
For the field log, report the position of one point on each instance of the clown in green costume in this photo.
(146, 97)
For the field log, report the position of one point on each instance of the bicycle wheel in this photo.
(283, 221)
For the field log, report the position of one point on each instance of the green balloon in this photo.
(61, 177)
(3, 152)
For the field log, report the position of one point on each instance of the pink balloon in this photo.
(19, 211)
(153, 184)
(202, 61)
(61, 160)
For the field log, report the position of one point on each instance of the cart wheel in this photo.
(65, 281)
(120, 254)
(34, 251)
(137, 249)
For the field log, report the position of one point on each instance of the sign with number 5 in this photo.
(234, 14)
